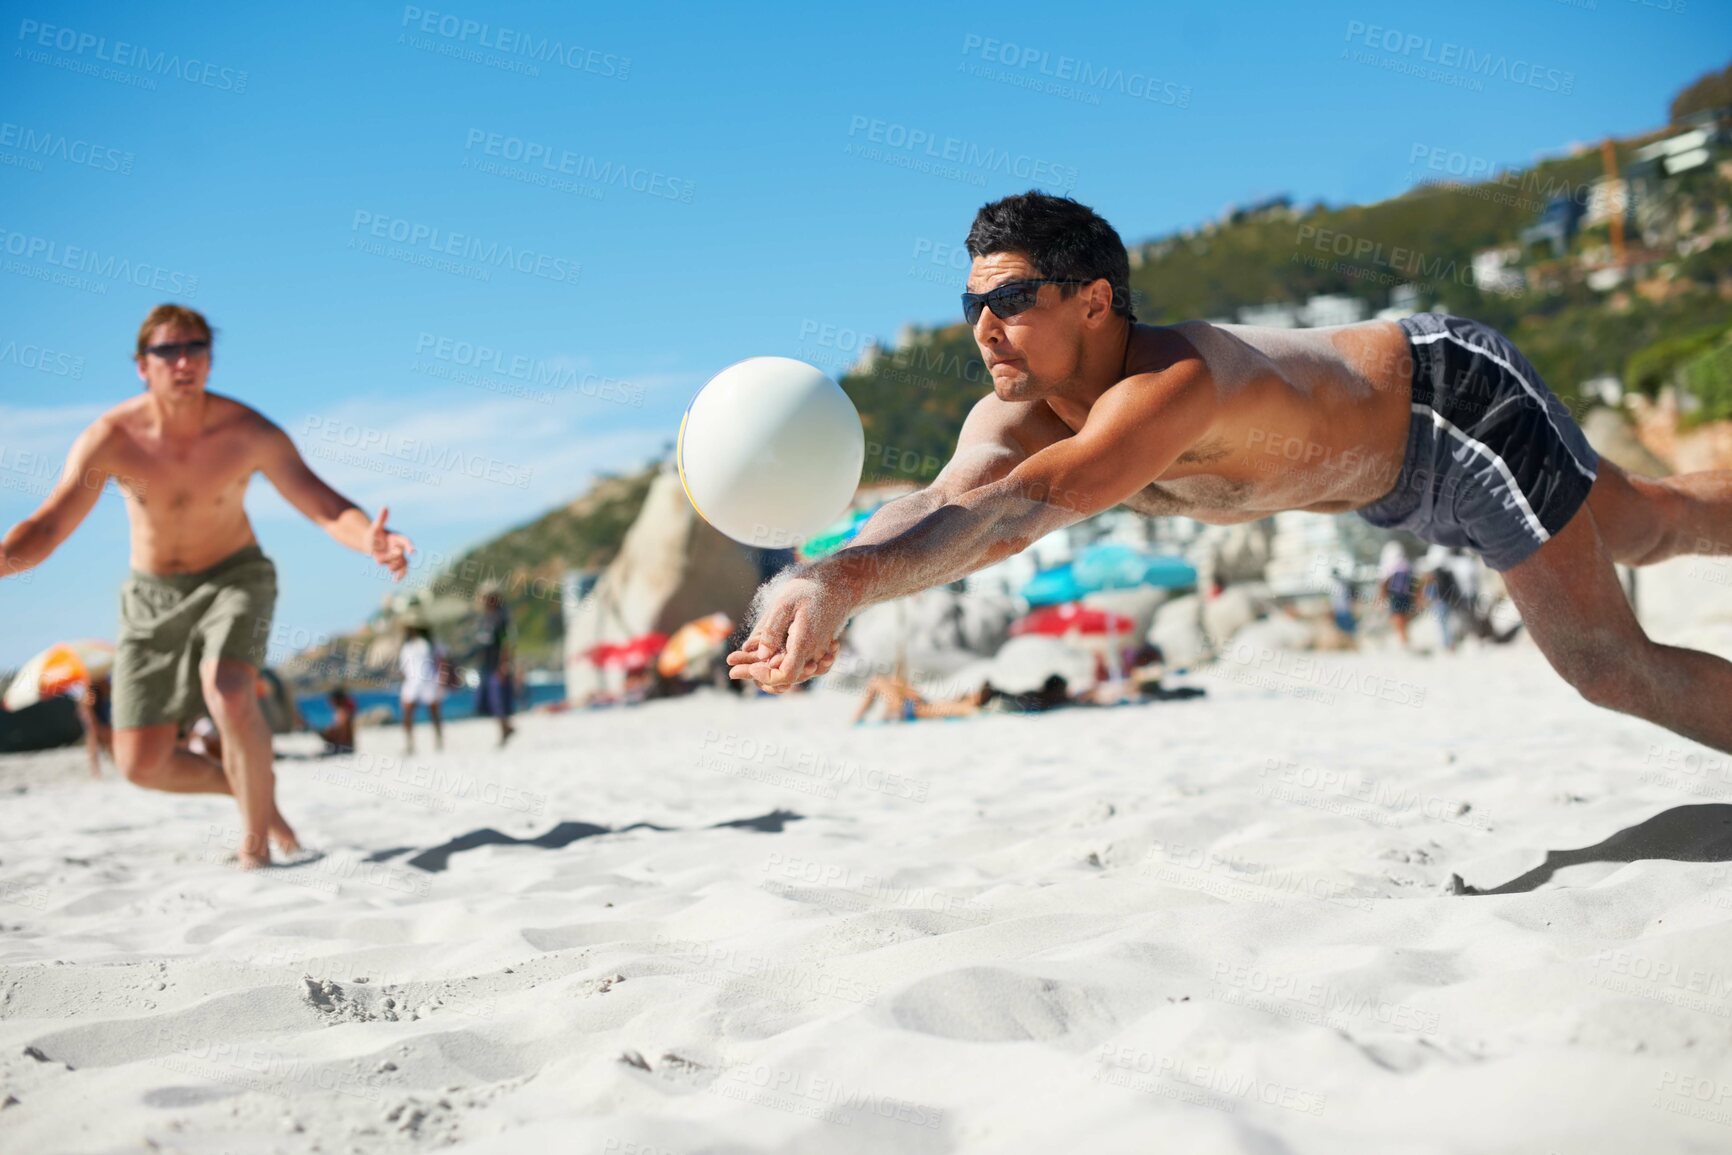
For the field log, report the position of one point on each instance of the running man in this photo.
(195, 615)
(1434, 424)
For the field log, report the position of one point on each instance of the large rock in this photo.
(1242, 553)
(1178, 631)
(933, 633)
(1613, 438)
(1274, 633)
(672, 567)
(1232, 610)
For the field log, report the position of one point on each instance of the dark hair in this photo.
(1061, 239)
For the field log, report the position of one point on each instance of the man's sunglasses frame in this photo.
(1009, 299)
(175, 350)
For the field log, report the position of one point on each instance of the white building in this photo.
(1332, 309)
(1493, 271)
(1608, 199)
(1274, 316)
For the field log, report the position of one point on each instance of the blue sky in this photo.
(619, 202)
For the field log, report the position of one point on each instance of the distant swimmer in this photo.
(195, 615)
(1433, 424)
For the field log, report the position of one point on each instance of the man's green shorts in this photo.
(169, 623)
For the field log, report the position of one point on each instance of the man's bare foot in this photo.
(505, 733)
(282, 836)
(253, 852)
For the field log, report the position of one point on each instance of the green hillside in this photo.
(528, 561)
(912, 400)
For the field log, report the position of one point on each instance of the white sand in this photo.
(1216, 925)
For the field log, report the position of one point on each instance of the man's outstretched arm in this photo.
(31, 541)
(1133, 434)
(986, 451)
(345, 521)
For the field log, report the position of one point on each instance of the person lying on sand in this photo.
(1434, 424)
(902, 702)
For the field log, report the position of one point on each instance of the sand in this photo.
(1245, 923)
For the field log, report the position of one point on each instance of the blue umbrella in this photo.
(1113, 566)
(1050, 587)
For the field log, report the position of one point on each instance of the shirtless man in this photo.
(1435, 425)
(196, 612)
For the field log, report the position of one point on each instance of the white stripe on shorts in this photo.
(1439, 421)
(1428, 338)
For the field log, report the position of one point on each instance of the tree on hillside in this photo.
(1711, 90)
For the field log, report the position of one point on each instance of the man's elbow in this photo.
(27, 546)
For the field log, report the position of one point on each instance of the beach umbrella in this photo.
(635, 654)
(1108, 565)
(1053, 586)
(694, 642)
(57, 670)
(1069, 619)
(836, 535)
(1112, 565)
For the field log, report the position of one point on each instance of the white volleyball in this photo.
(770, 451)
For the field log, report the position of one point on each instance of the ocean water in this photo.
(458, 703)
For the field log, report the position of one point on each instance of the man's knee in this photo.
(230, 694)
(141, 765)
(1611, 677)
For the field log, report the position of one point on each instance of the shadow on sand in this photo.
(439, 857)
(1682, 834)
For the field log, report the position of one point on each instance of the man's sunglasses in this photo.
(174, 352)
(1008, 299)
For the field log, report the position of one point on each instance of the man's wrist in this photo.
(843, 575)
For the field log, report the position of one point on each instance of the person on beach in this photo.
(1395, 585)
(493, 697)
(339, 736)
(195, 614)
(95, 716)
(425, 667)
(1435, 424)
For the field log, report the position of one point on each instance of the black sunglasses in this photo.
(1008, 299)
(175, 351)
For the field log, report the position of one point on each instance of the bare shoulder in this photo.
(1164, 371)
(227, 415)
(113, 428)
(236, 422)
(1027, 426)
(1166, 349)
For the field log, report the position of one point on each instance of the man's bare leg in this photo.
(149, 757)
(1572, 603)
(247, 757)
(1645, 520)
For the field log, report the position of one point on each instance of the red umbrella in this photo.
(1072, 618)
(633, 655)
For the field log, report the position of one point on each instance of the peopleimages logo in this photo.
(78, 259)
(36, 34)
(1459, 57)
(434, 240)
(870, 137)
(58, 146)
(513, 42)
(1087, 77)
